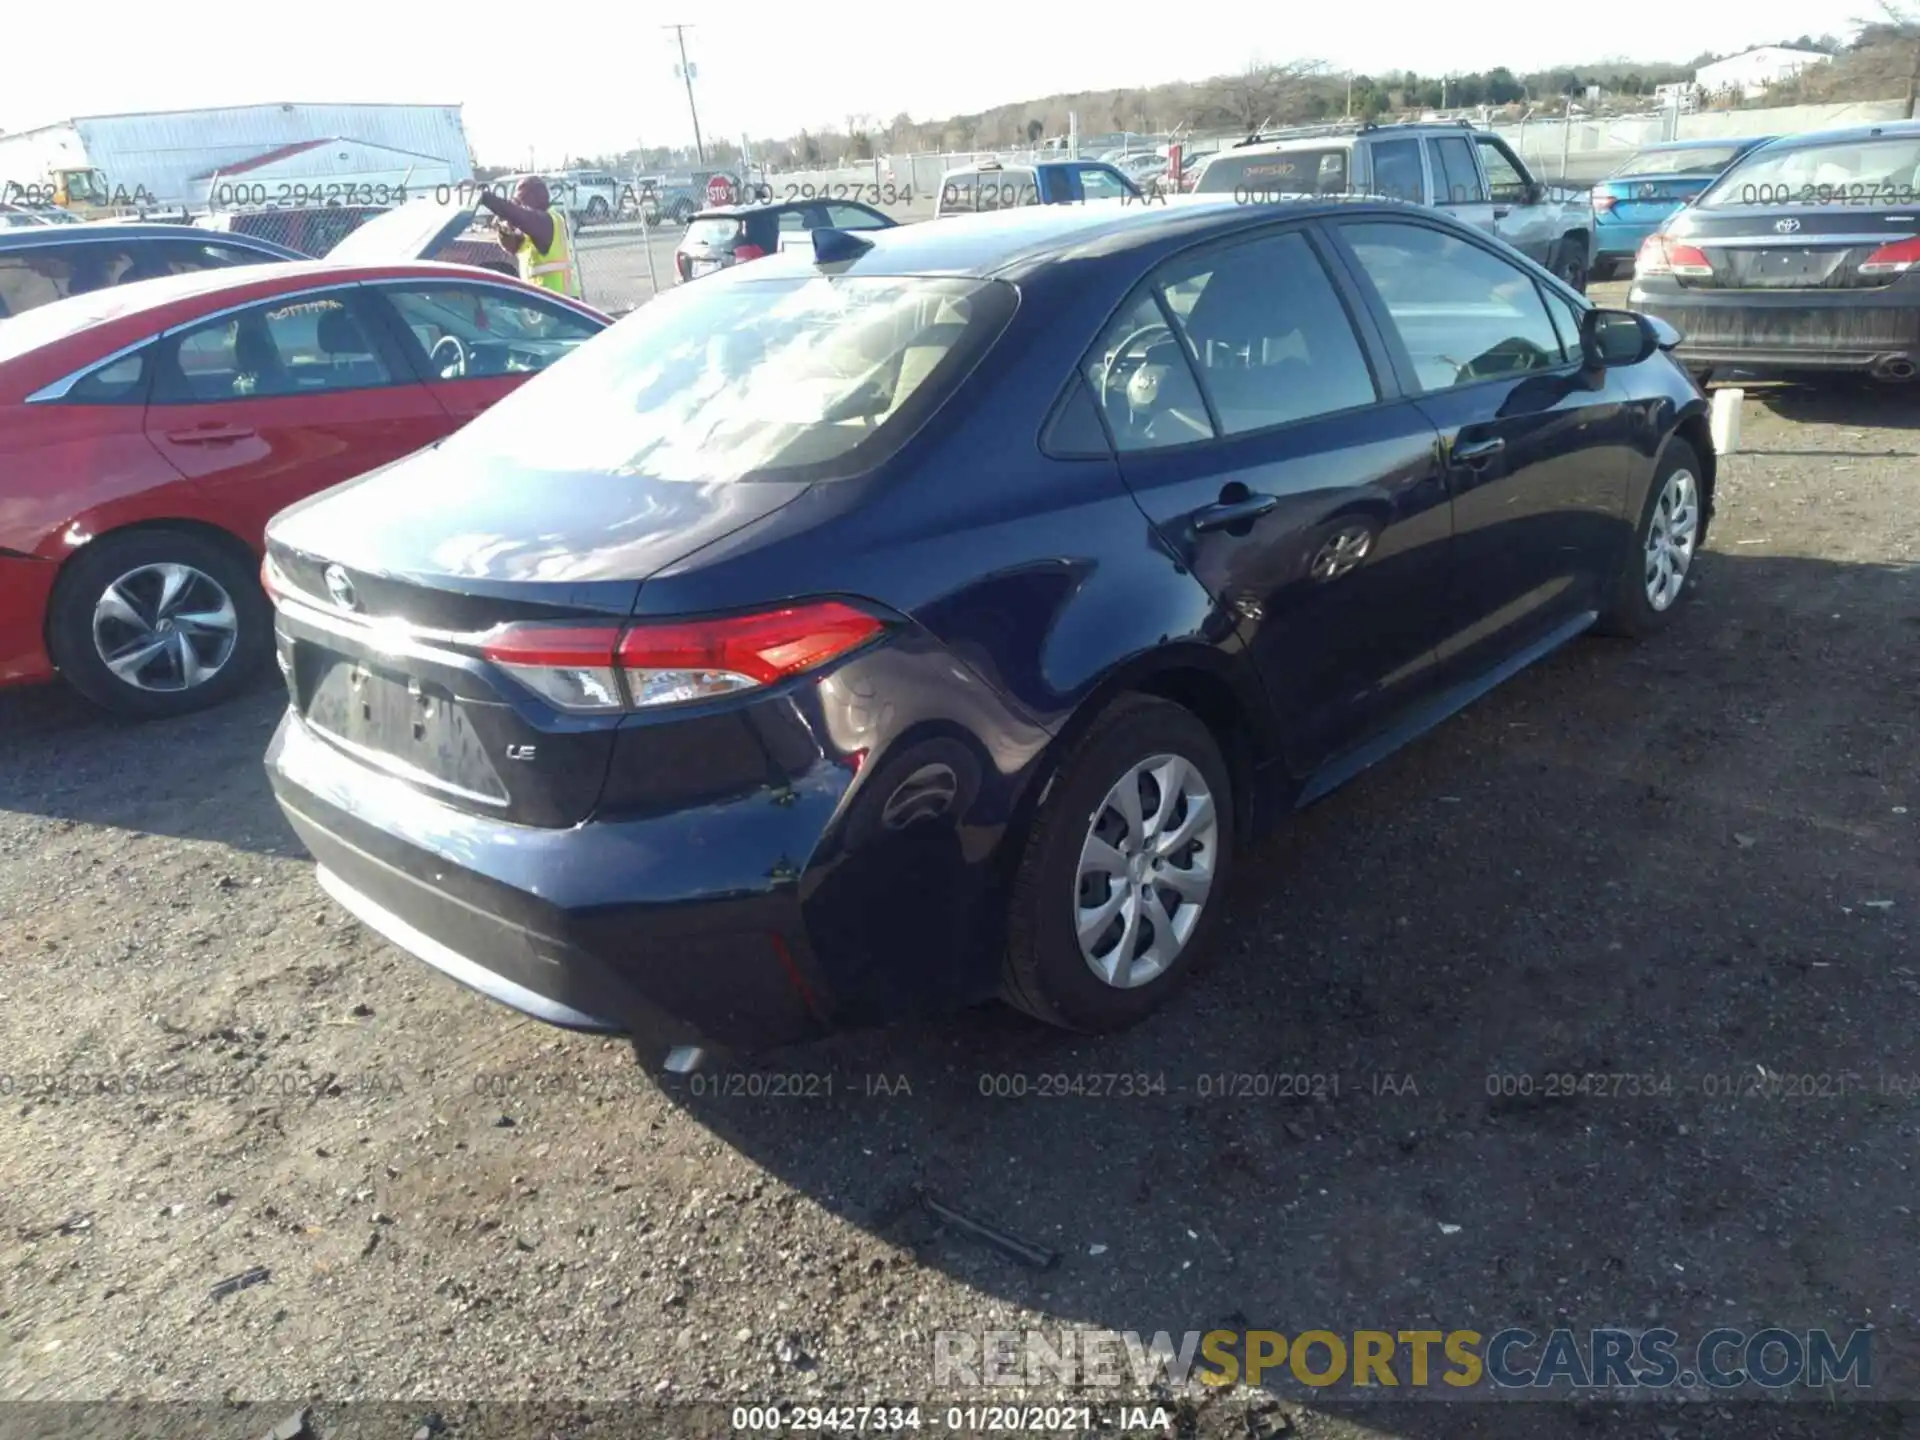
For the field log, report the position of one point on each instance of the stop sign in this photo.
(719, 190)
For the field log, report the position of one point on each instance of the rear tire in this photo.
(1570, 263)
(152, 623)
(1159, 915)
(1654, 577)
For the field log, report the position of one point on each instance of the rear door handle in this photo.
(1501, 214)
(1477, 452)
(209, 434)
(1229, 513)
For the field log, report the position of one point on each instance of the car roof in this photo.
(113, 318)
(1714, 143)
(1010, 244)
(1852, 134)
(771, 207)
(33, 237)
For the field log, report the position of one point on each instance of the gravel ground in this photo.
(1693, 859)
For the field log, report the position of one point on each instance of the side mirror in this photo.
(1536, 191)
(1616, 337)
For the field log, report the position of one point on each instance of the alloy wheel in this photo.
(1672, 531)
(165, 627)
(1146, 871)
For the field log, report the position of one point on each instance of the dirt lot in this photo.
(1689, 859)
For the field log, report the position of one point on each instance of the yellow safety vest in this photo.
(551, 268)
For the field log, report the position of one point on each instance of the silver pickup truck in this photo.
(1448, 165)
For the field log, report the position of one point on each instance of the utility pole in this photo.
(686, 74)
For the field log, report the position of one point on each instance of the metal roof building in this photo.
(171, 153)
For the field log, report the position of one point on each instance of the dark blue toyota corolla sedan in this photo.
(935, 613)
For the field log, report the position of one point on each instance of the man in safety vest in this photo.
(537, 236)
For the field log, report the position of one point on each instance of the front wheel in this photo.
(1125, 870)
(152, 623)
(1655, 572)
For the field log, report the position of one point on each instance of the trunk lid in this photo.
(1645, 199)
(390, 583)
(1790, 247)
(413, 231)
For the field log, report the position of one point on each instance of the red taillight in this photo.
(1894, 259)
(1661, 256)
(1603, 201)
(747, 250)
(684, 264)
(666, 662)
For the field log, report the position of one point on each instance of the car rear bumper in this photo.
(560, 924)
(1838, 330)
(1620, 239)
(26, 585)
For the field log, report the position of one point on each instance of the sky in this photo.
(599, 80)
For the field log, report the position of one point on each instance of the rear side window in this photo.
(118, 382)
(1396, 170)
(797, 378)
(1139, 374)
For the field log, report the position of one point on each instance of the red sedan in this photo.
(148, 432)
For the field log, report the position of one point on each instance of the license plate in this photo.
(416, 723)
(1790, 268)
(703, 267)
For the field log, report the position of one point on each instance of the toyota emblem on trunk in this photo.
(341, 589)
(1787, 226)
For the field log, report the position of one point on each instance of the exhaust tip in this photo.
(685, 1059)
(1896, 367)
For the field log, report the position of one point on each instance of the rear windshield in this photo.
(1704, 160)
(712, 232)
(1291, 172)
(32, 286)
(794, 379)
(1859, 172)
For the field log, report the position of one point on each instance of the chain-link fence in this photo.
(624, 265)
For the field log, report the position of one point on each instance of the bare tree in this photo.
(1261, 92)
(1897, 30)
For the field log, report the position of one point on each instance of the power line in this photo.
(686, 74)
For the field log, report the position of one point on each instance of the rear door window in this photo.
(1397, 172)
(296, 346)
(1456, 179)
(1269, 336)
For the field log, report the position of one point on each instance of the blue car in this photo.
(1631, 203)
(936, 613)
